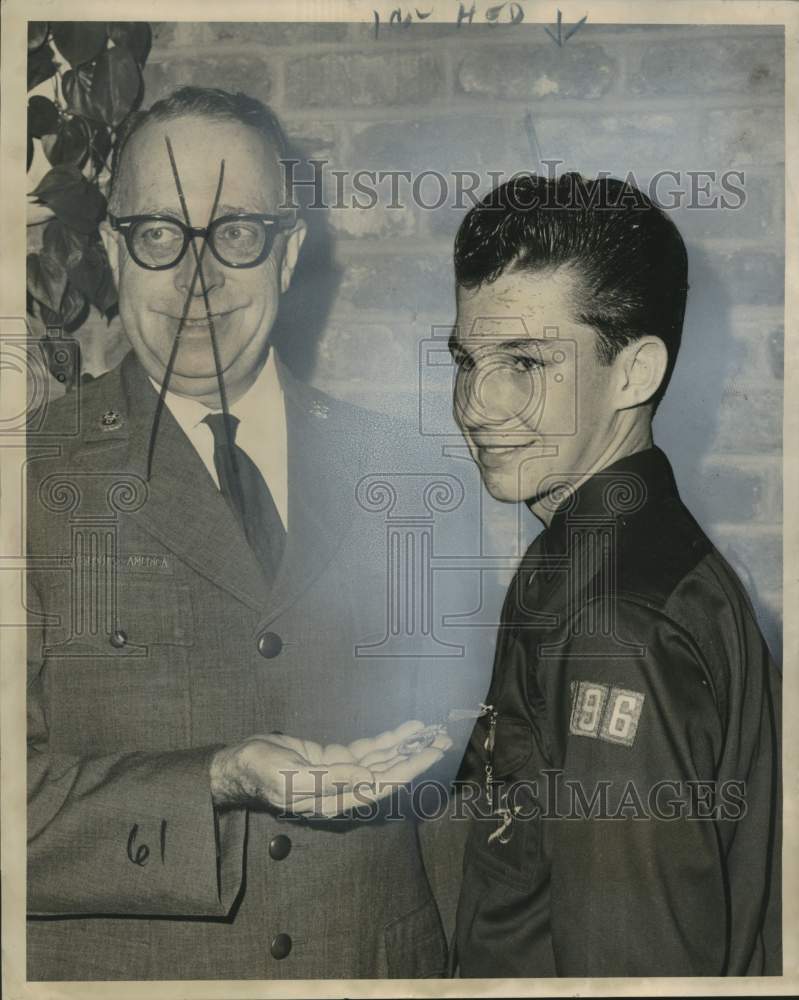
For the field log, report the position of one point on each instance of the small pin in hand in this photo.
(426, 737)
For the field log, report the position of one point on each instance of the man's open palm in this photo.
(306, 778)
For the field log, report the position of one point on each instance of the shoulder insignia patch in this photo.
(606, 713)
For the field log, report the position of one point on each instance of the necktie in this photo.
(247, 494)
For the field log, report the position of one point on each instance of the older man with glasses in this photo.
(175, 831)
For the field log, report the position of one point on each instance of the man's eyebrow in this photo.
(176, 213)
(520, 344)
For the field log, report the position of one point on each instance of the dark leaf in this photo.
(40, 66)
(76, 86)
(56, 179)
(63, 243)
(70, 144)
(46, 280)
(73, 199)
(87, 273)
(116, 85)
(106, 298)
(37, 35)
(111, 309)
(74, 309)
(94, 278)
(30, 153)
(49, 317)
(135, 36)
(101, 147)
(492, 14)
(42, 116)
(79, 41)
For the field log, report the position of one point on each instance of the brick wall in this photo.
(435, 97)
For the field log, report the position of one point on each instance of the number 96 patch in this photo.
(606, 713)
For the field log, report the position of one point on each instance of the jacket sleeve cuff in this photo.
(138, 834)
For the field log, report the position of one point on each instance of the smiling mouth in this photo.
(498, 450)
(194, 322)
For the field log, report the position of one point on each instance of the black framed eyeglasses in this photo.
(243, 239)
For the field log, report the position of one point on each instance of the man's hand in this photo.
(306, 778)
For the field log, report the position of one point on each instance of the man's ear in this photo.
(110, 240)
(291, 253)
(642, 368)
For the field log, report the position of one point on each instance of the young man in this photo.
(626, 767)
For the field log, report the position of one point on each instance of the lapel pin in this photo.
(320, 409)
(110, 421)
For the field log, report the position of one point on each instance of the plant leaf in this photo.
(30, 153)
(79, 41)
(42, 116)
(135, 36)
(40, 66)
(76, 86)
(46, 280)
(70, 144)
(116, 85)
(49, 316)
(55, 179)
(93, 276)
(63, 243)
(74, 308)
(37, 34)
(74, 200)
(101, 147)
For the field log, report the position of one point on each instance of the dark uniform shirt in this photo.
(634, 713)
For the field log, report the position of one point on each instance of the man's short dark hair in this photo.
(629, 258)
(203, 102)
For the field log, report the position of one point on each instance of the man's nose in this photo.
(212, 273)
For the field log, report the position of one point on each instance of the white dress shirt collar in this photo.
(261, 432)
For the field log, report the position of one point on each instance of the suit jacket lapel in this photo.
(325, 461)
(186, 512)
(184, 509)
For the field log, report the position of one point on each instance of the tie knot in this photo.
(221, 425)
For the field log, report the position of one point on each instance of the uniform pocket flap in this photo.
(114, 619)
(153, 612)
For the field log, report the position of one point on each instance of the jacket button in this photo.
(281, 946)
(279, 847)
(118, 638)
(269, 644)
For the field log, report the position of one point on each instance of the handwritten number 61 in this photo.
(139, 855)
